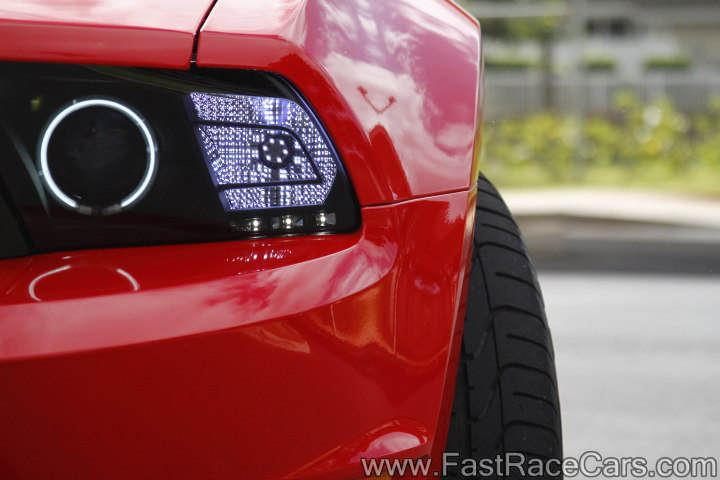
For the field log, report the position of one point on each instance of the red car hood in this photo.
(160, 33)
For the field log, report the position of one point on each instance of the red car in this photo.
(247, 240)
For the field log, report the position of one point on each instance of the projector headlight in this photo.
(101, 156)
(97, 156)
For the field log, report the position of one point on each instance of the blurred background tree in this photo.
(538, 21)
(592, 92)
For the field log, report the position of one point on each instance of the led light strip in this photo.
(150, 144)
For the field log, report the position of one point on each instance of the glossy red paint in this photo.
(396, 83)
(202, 361)
(108, 32)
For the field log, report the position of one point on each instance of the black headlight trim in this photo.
(178, 207)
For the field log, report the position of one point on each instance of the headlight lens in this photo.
(105, 156)
(97, 156)
(287, 163)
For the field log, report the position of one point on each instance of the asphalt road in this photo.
(638, 359)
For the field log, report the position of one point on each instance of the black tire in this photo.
(506, 397)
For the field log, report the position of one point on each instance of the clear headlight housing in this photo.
(263, 152)
(106, 156)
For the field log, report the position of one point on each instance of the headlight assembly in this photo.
(105, 156)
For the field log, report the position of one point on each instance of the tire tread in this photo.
(506, 397)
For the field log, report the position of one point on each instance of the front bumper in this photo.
(281, 358)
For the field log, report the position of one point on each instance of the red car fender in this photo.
(192, 361)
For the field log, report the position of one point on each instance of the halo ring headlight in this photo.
(139, 186)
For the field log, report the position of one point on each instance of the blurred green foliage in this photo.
(643, 145)
(543, 29)
(676, 62)
(599, 64)
(509, 63)
(540, 28)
